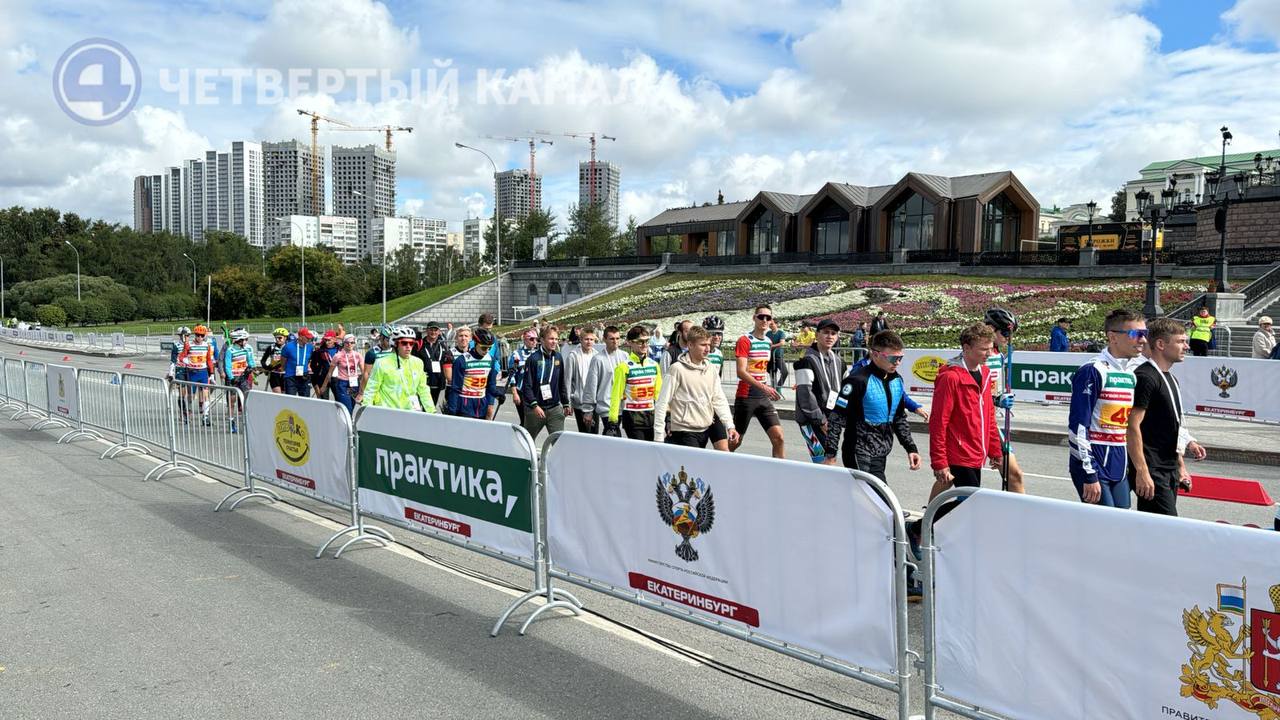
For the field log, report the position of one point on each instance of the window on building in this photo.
(572, 291)
(765, 232)
(531, 296)
(830, 229)
(554, 296)
(911, 223)
(1000, 219)
(726, 242)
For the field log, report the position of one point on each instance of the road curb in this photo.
(1039, 436)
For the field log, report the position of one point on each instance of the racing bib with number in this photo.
(642, 388)
(1115, 403)
(475, 377)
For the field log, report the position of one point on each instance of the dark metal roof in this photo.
(786, 202)
(708, 213)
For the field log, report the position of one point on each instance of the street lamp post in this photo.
(1215, 181)
(193, 272)
(1156, 214)
(3, 316)
(497, 226)
(1093, 208)
(73, 247)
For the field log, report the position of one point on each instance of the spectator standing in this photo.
(675, 346)
(461, 350)
(1202, 332)
(543, 390)
(577, 363)
(321, 361)
(777, 362)
(296, 358)
(858, 341)
(344, 374)
(1264, 340)
(515, 368)
(1058, 340)
(879, 323)
(1156, 437)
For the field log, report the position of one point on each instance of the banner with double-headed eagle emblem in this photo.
(802, 553)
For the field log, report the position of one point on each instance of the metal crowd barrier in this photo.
(15, 391)
(898, 683)
(37, 388)
(102, 407)
(205, 422)
(71, 413)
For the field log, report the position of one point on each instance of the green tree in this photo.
(624, 243)
(238, 292)
(1119, 206)
(51, 316)
(664, 243)
(328, 288)
(517, 237)
(589, 233)
(404, 273)
(95, 312)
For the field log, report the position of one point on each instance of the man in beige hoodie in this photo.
(691, 396)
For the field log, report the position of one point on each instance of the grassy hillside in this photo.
(349, 316)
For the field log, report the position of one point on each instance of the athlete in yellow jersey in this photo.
(636, 384)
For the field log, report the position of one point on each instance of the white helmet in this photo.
(403, 332)
(184, 330)
(239, 334)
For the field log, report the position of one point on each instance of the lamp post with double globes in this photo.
(1214, 183)
(1156, 215)
(1093, 208)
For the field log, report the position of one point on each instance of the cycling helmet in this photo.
(280, 332)
(713, 324)
(483, 337)
(1002, 320)
(239, 334)
(183, 331)
(387, 331)
(348, 338)
(403, 332)
(200, 330)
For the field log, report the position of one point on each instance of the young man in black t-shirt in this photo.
(1156, 437)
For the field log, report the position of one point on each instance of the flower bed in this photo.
(926, 313)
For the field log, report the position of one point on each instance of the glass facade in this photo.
(1000, 219)
(911, 223)
(765, 234)
(830, 229)
(726, 242)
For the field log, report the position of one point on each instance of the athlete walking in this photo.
(871, 406)
(717, 433)
(754, 398)
(197, 358)
(691, 394)
(1101, 399)
(599, 382)
(237, 367)
(474, 389)
(272, 363)
(818, 375)
(344, 374)
(636, 384)
(396, 381)
(1004, 324)
(515, 368)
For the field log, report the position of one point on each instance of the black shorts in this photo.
(687, 438)
(244, 383)
(275, 381)
(717, 432)
(1165, 501)
(760, 408)
(966, 476)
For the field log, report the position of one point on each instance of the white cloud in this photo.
(978, 61)
(1252, 19)
(342, 34)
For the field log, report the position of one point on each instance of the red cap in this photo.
(330, 334)
(305, 333)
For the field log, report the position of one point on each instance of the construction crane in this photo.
(591, 172)
(533, 154)
(343, 126)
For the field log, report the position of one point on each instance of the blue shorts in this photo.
(197, 376)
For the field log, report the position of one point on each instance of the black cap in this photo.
(825, 323)
(433, 324)
(1064, 320)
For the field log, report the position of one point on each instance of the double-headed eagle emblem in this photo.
(676, 497)
(1224, 378)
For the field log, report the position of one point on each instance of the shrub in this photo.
(51, 316)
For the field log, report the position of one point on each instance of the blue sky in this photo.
(722, 95)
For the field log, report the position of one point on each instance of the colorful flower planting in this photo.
(925, 312)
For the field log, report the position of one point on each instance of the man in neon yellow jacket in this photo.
(1202, 331)
(396, 379)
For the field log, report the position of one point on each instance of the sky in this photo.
(732, 96)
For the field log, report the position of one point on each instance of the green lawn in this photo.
(349, 316)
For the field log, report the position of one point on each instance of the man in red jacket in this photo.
(962, 423)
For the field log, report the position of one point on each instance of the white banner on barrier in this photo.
(467, 479)
(64, 396)
(798, 552)
(301, 444)
(1049, 609)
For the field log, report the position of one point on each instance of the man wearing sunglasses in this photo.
(754, 398)
(871, 405)
(397, 380)
(1102, 393)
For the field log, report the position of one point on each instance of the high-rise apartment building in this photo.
(512, 190)
(193, 199)
(424, 235)
(143, 197)
(473, 242)
(341, 234)
(606, 179)
(287, 180)
(364, 187)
